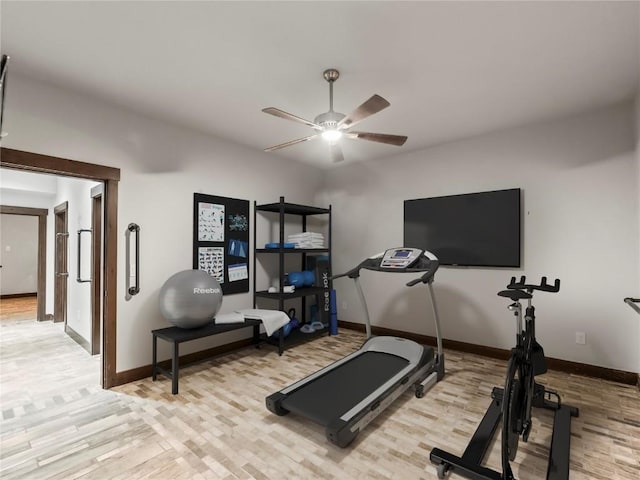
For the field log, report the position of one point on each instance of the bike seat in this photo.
(515, 295)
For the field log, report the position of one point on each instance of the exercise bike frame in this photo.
(521, 391)
(514, 407)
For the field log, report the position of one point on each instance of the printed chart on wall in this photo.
(221, 240)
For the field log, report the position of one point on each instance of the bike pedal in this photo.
(550, 393)
(539, 395)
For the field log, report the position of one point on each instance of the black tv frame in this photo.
(4, 67)
(513, 244)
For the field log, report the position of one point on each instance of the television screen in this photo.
(475, 229)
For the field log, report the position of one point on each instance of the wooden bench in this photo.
(177, 335)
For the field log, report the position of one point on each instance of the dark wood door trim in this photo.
(41, 213)
(110, 276)
(11, 210)
(42, 267)
(34, 162)
(96, 269)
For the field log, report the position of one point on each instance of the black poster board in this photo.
(221, 240)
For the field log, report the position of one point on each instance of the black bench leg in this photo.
(154, 370)
(175, 367)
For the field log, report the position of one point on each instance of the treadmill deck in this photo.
(337, 391)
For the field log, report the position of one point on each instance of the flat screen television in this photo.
(475, 229)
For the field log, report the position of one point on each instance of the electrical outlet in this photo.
(344, 305)
(581, 338)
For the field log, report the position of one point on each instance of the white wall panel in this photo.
(19, 255)
(580, 215)
(161, 167)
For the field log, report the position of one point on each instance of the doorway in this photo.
(33, 162)
(41, 213)
(61, 263)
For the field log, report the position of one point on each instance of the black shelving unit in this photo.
(283, 209)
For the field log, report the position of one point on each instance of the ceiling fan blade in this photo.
(289, 116)
(292, 142)
(336, 153)
(368, 108)
(397, 140)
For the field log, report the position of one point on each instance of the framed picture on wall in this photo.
(221, 240)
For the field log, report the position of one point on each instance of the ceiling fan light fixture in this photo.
(332, 135)
(332, 125)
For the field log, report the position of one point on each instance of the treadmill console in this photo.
(400, 258)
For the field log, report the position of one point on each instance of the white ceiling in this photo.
(450, 69)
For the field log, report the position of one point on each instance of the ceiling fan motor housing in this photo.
(329, 120)
(331, 74)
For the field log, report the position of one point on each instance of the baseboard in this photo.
(629, 378)
(79, 339)
(18, 295)
(139, 373)
(620, 376)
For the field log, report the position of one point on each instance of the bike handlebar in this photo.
(544, 286)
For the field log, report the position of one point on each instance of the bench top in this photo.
(177, 334)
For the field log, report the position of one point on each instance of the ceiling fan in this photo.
(334, 125)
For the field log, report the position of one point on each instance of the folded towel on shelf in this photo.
(307, 240)
(233, 317)
(309, 245)
(271, 319)
(315, 237)
(307, 235)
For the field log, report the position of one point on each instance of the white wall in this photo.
(580, 183)
(19, 255)
(16, 181)
(161, 167)
(24, 189)
(636, 292)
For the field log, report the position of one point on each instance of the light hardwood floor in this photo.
(57, 423)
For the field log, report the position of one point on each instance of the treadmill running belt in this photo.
(339, 390)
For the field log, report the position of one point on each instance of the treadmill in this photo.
(348, 394)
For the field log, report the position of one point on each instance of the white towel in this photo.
(307, 240)
(271, 319)
(233, 317)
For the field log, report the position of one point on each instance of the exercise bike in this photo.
(512, 405)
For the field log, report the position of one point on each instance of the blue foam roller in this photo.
(333, 319)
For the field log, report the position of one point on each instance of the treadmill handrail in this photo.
(426, 278)
(353, 273)
(632, 303)
(427, 263)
